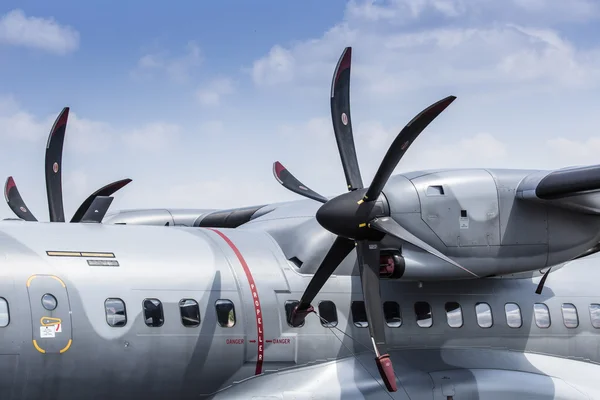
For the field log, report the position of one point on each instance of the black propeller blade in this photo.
(358, 216)
(103, 191)
(53, 173)
(15, 201)
(342, 124)
(53, 170)
(97, 210)
(290, 182)
(368, 263)
(336, 254)
(401, 144)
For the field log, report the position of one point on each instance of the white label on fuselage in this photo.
(463, 222)
(47, 332)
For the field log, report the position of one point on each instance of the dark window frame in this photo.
(196, 306)
(228, 312)
(288, 306)
(161, 309)
(417, 314)
(328, 324)
(115, 299)
(460, 311)
(7, 312)
(386, 307)
(545, 307)
(485, 304)
(520, 315)
(360, 308)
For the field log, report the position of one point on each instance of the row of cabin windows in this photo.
(189, 311)
(454, 314)
(116, 313)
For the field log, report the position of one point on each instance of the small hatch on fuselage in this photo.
(435, 190)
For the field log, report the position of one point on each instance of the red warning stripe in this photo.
(254, 291)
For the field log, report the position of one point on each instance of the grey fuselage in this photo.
(253, 267)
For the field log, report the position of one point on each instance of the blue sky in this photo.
(195, 102)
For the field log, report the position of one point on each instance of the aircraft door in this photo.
(50, 314)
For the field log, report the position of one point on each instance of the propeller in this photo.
(53, 173)
(104, 191)
(358, 217)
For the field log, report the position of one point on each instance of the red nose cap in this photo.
(386, 370)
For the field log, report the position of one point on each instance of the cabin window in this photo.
(289, 307)
(49, 302)
(153, 313)
(328, 314)
(437, 190)
(513, 315)
(595, 315)
(225, 313)
(4, 314)
(393, 316)
(423, 313)
(190, 312)
(542, 315)
(484, 315)
(454, 314)
(570, 317)
(359, 314)
(116, 314)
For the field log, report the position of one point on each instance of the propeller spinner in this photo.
(53, 172)
(356, 217)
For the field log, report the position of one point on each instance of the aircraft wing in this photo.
(576, 188)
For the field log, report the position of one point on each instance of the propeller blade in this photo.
(337, 253)
(401, 144)
(15, 201)
(290, 182)
(540, 285)
(103, 191)
(342, 124)
(54, 149)
(389, 226)
(97, 210)
(368, 262)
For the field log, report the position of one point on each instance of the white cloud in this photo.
(576, 10)
(212, 128)
(403, 12)
(78, 183)
(83, 135)
(154, 137)
(575, 152)
(21, 125)
(17, 29)
(176, 68)
(218, 193)
(276, 67)
(391, 58)
(213, 92)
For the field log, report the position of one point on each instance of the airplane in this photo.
(465, 284)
